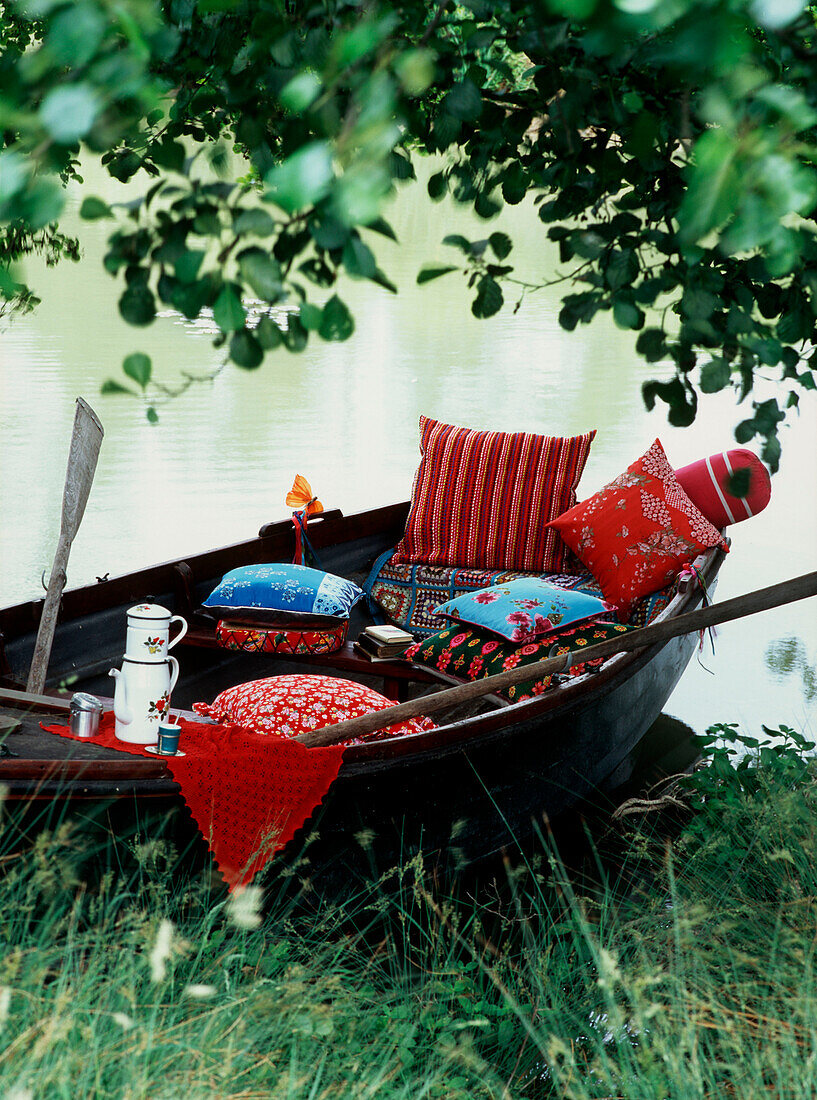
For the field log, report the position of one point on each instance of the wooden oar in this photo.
(762, 600)
(82, 458)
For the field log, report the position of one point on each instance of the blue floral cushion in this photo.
(523, 609)
(262, 592)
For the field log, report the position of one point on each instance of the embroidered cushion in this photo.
(471, 654)
(636, 533)
(289, 705)
(294, 638)
(727, 487)
(280, 591)
(410, 593)
(523, 609)
(483, 499)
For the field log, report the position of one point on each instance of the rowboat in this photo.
(478, 779)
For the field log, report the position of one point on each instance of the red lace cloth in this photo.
(249, 793)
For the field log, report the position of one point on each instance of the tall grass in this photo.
(683, 968)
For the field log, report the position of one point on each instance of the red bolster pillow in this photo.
(711, 482)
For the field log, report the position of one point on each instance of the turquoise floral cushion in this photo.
(262, 592)
(524, 609)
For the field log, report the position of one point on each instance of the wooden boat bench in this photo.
(396, 675)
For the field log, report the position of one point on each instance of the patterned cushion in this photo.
(523, 609)
(482, 499)
(638, 531)
(714, 485)
(283, 638)
(410, 594)
(289, 705)
(472, 654)
(279, 591)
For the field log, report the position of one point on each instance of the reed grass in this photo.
(676, 962)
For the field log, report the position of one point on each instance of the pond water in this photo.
(224, 454)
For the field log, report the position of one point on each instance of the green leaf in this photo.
(501, 244)
(268, 334)
(188, 265)
(93, 208)
(358, 258)
(456, 240)
(433, 271)
(300, 92)
(228, 311)
(715, 376)
(296, 336)
(621, 268)
(739, 482)
(328, 232)
(714, 184)
(383, 280)
(381, 226)
(138, 367)
(337, 322)
(13, 174)
(627, 314)
(169, 154)
(489, 299)
(651, 344)
(152, 415)
(257, 222)
(302, 179)
(263, 274)
(68, 113)
(245, 350)
(463, 101)
(137, 304)
(437, 186)
(111, 386)
(311, 316)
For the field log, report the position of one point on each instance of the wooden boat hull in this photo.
(470, 787)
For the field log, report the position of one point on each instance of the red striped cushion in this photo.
(482, 499)
(709, 484)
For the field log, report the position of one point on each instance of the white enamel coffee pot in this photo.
(148, 637)
(142, 698)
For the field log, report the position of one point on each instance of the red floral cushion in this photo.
(289, 705)
(637, 532)
(482, 499)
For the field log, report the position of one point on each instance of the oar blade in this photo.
(83, 455)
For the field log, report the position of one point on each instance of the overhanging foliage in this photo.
(668, 147)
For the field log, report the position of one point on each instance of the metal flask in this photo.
(83, 714)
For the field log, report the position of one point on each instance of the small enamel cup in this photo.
(168, 739)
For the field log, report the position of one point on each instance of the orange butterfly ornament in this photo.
(301, 497)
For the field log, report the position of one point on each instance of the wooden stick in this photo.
(692, 621)
(82, 458)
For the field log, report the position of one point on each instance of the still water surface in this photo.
(224, 454)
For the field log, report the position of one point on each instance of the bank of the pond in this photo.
(682, 968)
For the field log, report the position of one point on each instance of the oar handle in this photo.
(762, 599)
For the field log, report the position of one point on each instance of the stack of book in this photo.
(383, 643)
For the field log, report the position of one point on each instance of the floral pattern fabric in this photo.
(471, 654)
(290, 705)
(638, 532)
(292, 639)
(523, 609)
(282, 588)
